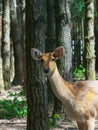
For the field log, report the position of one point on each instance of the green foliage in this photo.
(53, 120)
(79, 73)
(15, 108)
(77, 9)
(21, 93)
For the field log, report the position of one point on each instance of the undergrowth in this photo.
(13, 108)
(79, 72)
(53, 121)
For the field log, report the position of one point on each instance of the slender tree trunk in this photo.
(96, 33)
(89, 39)
(82, 42)
(11, 61)
(16, 32)
(6, 43)
(37, 118)
(78, 43)
(21, 21)
(23, 44)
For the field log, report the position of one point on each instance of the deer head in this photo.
(48, 60)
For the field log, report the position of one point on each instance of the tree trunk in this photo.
(23, 44)
(89, 40)
(63, 35)
(11, 61)
(6, 43)
(51, 32)
(16, 32)
(96, 33)
(37, 118)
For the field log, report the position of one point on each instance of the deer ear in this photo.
(36, 54)
(59, 52)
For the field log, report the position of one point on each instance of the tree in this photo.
(16, 35)
(51, 29)
(23, 44)
(96, 33)
(6, 43)
(89, 39)
(77, 10)
(63, 36)
(77, 18)
(37, 117)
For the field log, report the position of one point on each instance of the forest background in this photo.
(44, 24)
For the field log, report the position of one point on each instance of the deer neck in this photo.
(61, 88)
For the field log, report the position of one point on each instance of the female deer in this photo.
(80, 98)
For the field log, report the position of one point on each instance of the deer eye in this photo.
(53, 59)
(42, 60)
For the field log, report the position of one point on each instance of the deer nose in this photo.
(46, 70)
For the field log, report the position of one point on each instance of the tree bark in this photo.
(63, 36)
(37, 118)
(51, 29)
(23, 44)
(96, 33)
(16, 31)
(89, 40)
(6, 43)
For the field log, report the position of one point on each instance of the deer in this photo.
(80, 98)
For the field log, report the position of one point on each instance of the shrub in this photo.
(79, 73)
(53, 121)
(15, 108)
